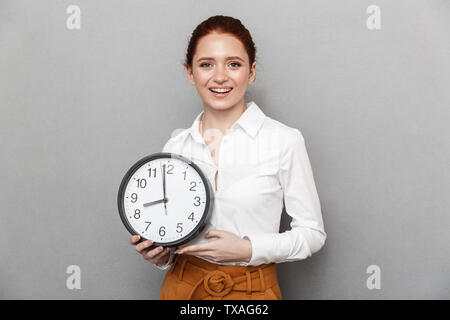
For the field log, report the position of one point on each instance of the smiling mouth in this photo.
(220, 91)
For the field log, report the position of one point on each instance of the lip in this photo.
(220, 95)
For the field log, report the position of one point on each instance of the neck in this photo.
(221, 119)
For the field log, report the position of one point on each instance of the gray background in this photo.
(78, 107)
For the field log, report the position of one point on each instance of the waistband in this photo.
(218, 280)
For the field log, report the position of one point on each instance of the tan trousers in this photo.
(193, 278)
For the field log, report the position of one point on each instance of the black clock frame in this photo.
(206, 213)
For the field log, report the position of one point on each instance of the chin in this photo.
(221, 105)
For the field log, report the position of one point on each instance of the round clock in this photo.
(165, 198)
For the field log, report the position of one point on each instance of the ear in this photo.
(190, 75)
(252, 75)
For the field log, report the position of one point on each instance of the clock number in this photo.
(179, 227)
(150, 172)
(170, 168)
(137, 214)
(162, 231)
(141, 183)
(197, 203)
(148, 224)
(193, 185)
(191, 217)
(184, 172)
(134, 197)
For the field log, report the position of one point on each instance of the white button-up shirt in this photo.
(261, 164)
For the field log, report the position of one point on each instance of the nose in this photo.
(220, 74)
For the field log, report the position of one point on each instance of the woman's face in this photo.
(221, 61)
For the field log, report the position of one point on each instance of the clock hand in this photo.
(154, 202)
(164, 186)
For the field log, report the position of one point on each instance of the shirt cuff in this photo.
(259, 255)
(267, 248)
(169, 261)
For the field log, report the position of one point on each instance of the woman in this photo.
(254, 163)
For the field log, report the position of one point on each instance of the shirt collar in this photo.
(251, 121)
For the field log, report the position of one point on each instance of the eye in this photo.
(236, 63)
(201, 66)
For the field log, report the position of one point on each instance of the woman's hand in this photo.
(157, 255)
(227, 248)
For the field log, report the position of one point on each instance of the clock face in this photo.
(165, 198)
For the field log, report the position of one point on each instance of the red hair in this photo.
(221, 24)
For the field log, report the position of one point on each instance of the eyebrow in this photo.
(228, 58)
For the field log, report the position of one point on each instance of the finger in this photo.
(162, 257)
(185, 249)
(214, 233)
(154, 253)
(143, 245)
(203, 253)
(134, 239)
(194, 248)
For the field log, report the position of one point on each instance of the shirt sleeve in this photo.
(169, 262)
(301, 201)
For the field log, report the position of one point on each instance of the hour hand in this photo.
(154, 202)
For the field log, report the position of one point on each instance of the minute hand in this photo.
(164, 187)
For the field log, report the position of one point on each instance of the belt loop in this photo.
(174, 264)
(180, 274)
(261, 280)
(249, 283)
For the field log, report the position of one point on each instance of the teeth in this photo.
(220, 90)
